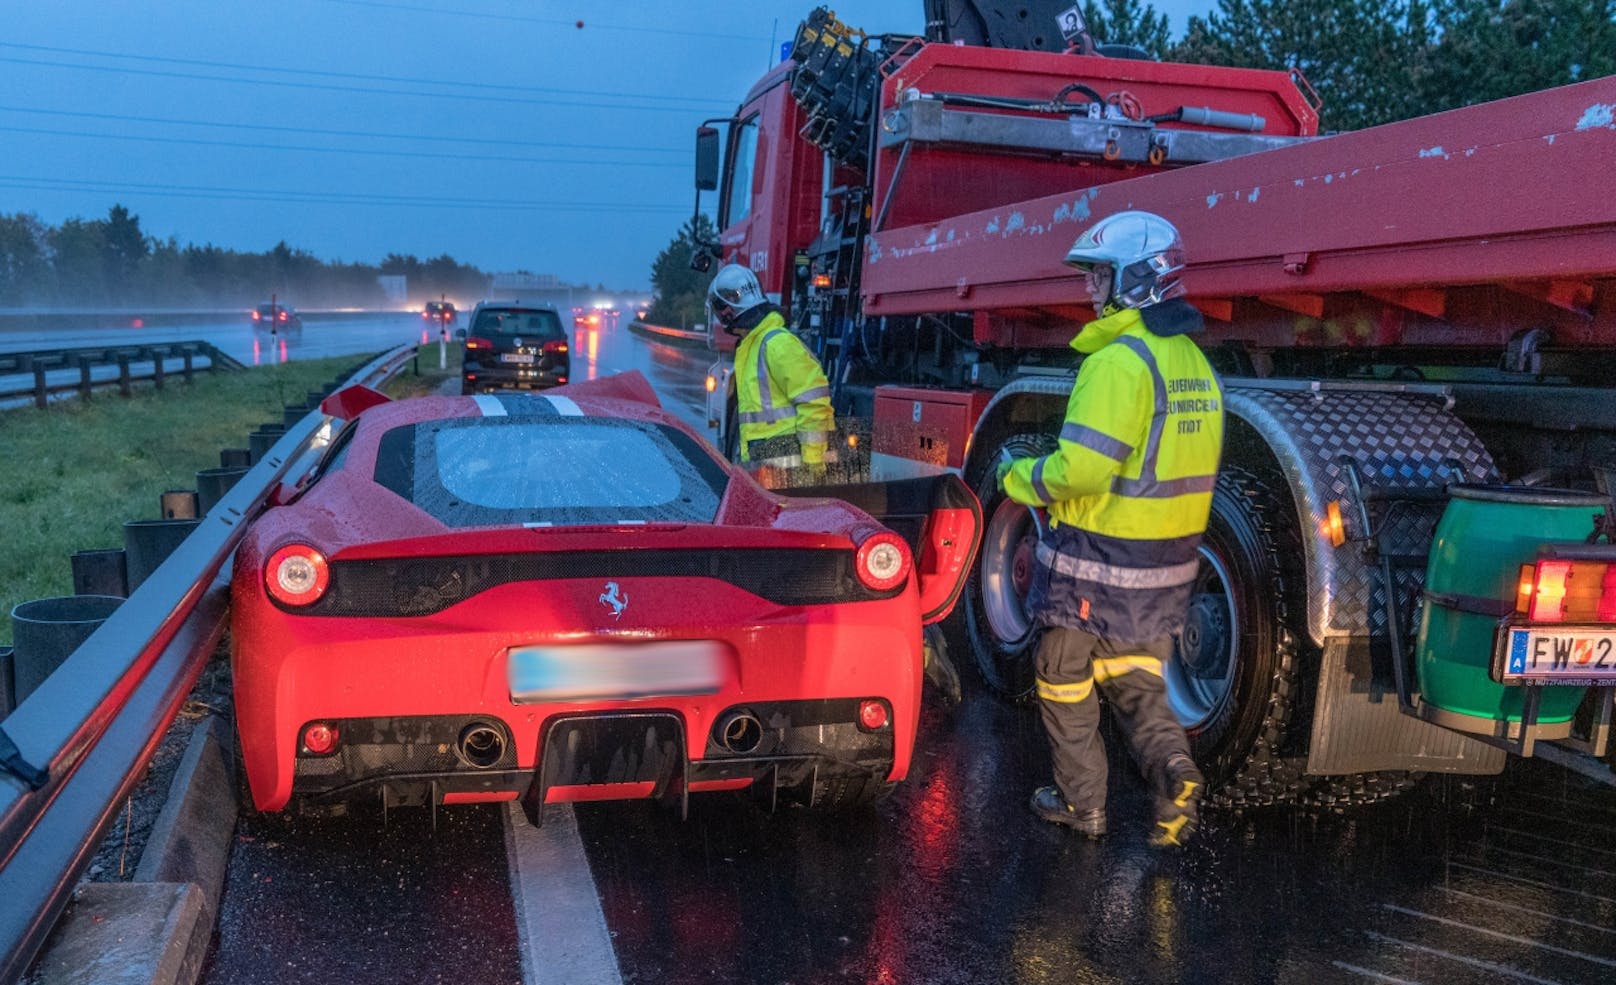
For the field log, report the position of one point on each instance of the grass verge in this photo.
(75, 471)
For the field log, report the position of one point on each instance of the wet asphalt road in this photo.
(950, 880)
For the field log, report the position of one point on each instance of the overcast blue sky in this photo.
(497, 131)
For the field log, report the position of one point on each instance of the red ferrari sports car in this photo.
(570, 596)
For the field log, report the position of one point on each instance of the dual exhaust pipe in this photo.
(482, 744)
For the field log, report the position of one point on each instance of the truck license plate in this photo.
(616, 671)
(516, 357)
(1560, 656)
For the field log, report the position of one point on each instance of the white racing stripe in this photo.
(490, 405)
(559, 922)
(565, 406)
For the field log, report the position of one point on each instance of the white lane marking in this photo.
(565, 406)
(1529, 882)
(559, 922)
(490, 405)
(1568, 952)
(1376, 975)
(1502, 969)
(1542, 858)
(1527, 910)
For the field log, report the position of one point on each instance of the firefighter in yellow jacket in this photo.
(1128, 491)
(782, 395)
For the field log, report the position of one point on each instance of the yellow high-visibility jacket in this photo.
(1129, 489)
(780, 390)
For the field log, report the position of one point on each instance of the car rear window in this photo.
(518, 321)
(497, 471)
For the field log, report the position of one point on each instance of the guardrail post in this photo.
(157, 367)
(84, 377)
(124, 389)
(188, 353)
(39, 386)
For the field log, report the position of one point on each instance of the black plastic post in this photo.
(39, 386)
(124, 389)
(291, 415)
(260, 442)
(157, 367)
(8, 690)
(84, 377)
(188, 354)
(212, 484)
(45, 632)
(234, 458)
(100, 572)
(148, 543)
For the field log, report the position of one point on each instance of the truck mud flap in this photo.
(637, 747)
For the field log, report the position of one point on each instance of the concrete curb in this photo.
(155, 929)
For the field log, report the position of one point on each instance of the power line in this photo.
(332, 88)
(37, 183)
(318, 73)
(552, 21)
(437, 137)
(493, 158)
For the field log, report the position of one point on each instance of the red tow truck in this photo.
(1408, 568)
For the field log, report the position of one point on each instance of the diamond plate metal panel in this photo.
(1398, 439)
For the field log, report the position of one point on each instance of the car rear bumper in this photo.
(401, 690)
(497, 376)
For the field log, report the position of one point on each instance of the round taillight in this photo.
(297, 574)
(882, 562)
(873, 714)
(320, 738)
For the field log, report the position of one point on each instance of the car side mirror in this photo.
(706, 159)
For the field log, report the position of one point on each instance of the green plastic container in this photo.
(1485, 535)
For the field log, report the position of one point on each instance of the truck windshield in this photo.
(743, 157)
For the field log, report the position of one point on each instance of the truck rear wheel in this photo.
(1002, 634)
(1232, 679)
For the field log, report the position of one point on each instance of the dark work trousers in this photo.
(1072, 665)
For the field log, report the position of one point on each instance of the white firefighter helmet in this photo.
(734, 291)
(1144, 253)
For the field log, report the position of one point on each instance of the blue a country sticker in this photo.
(1517, 652)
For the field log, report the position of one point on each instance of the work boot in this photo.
(940, 669)
(1049, 804)
(1178, 813)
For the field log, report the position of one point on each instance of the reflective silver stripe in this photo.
(490, 405)
(1163, 488)
(565, 406)
(811, 394)
(1096, 441)
(1038, 481)
(765, 393)
(1158, 414)
(778, 462)
(1117, 576)
(768, 415)
(815, 437)
(1147, 486)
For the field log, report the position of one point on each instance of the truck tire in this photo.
(1002, 636)
(1233, 677)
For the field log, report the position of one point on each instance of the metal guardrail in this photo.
(38, 363)
(77, 746)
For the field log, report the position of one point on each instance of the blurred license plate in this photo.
(594, 671)
(516, 357)
(1560, 656)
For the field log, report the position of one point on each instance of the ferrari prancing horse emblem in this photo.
(613, 597)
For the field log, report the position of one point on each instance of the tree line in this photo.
(111, 261)
(1370, 61)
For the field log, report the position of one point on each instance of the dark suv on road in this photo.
(514, 346)
(439, 312)
(275, 317)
